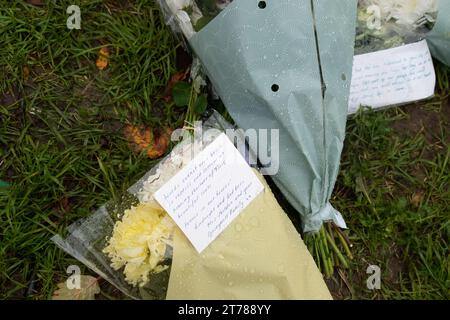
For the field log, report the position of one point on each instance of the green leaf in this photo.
(181, 93)
(88, 289)
(200, 104)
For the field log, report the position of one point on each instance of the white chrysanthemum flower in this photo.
(404, 12)
(408, 12)
(374, 18)
(385, 7)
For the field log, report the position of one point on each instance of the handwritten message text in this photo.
(205, 196)
(392, 76)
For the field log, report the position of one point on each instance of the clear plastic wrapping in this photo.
(381, 24)
(385, 24)
(233, 266)
(88, 240)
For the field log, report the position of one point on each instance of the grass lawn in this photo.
(63, 151)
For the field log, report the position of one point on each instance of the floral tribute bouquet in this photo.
(247, 47)
(381, 24)
(135, 245)
(384, 24)
(393, 63)
(274, 66)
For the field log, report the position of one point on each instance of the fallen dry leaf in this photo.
(153, 142)
(26, 73)
(417, 198)
(103, 58)
(88, 289)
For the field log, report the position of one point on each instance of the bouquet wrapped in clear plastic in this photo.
(392, 63)
(381, 24)
(385, 24)
(395, 41)
(135, 245)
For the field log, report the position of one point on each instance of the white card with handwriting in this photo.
(204, 197)
(392, 76)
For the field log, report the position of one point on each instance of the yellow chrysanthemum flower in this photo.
(138, 242)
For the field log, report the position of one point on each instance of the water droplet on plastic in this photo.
(254, 222)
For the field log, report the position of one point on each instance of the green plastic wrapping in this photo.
(439, 38)
(263, 61)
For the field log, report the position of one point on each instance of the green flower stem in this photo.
(327, 250)
(336, 251)
(345, 243)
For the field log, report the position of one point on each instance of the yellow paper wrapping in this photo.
(260, 255)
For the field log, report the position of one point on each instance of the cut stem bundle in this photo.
(330, 248)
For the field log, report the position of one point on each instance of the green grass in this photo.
(394, 190)
(62, 151)
(60, 126)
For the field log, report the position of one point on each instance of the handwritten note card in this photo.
(206, 195)
(392, 76)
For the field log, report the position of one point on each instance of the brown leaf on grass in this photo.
(177, 77)
(153, 141)
(88, 289)
(417, 198)
(102, 59)
(26, 73)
